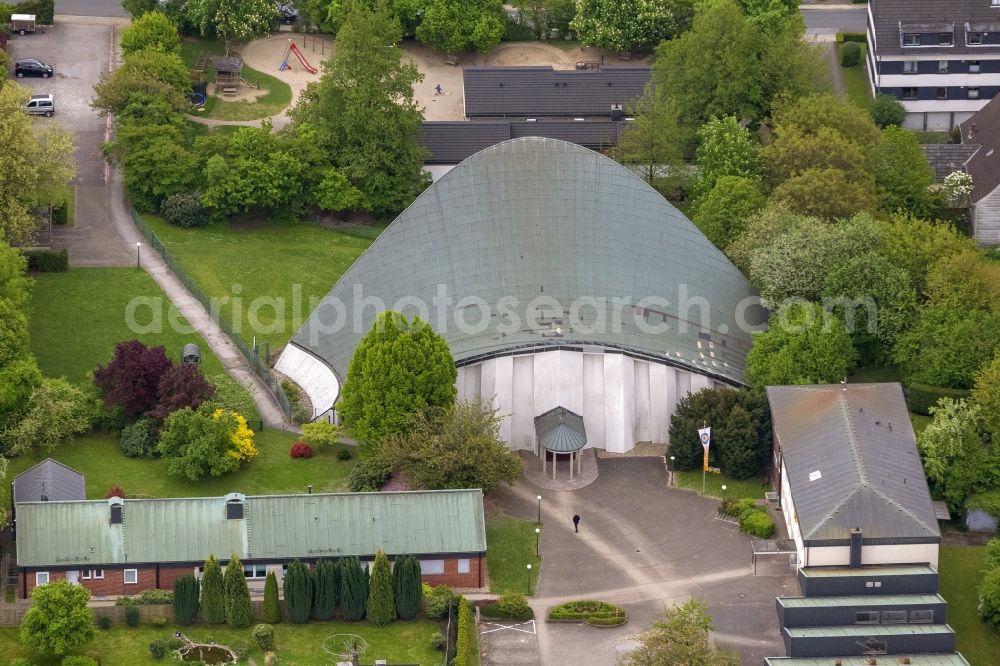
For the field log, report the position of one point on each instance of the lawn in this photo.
(295, 644)
(280, 271)
(78, 316)
(714, 482)
(99, 458)
(276, 100)
(511, 549)
(856, 80)
(961, 569)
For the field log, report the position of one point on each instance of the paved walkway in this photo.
(533, 471)
(643, 546)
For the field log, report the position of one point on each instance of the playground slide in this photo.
(305, 63)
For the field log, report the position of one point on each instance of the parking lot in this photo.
(79, 50)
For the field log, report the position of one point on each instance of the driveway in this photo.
(644, 546)
(79, 52)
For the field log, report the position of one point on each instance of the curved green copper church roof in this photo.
(537, 244)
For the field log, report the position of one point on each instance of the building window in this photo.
(995, 3)
(909, 93)
(463, 565)
(942, 66)
(131, 576)
(910, 67)
(942, 93)
(911, 39)
(893, 617)
(255, 571)
(973, 93)
(975, 38)
(432, 567)
(93, 574)
(973, 67)
(944, 38)
(921, 616)
(866, 617)
(41, 578)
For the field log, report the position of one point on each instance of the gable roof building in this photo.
(49, 481)
(981, 135)
(452, 141)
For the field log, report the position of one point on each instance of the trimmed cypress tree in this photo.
(381, 608)
(353, 589)
(298, 585)
(213, 597)
(406, 590)
(239, 612)
(325, 590)
(272, 611)
(185, 600)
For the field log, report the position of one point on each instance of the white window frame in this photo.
(38, 578)
(430, 567)
(941, 92)
(911, 39)
(946, 39)
(135, 574)
(98, 574)
(910, 67)
(973, 93)
(464, 565)
(975, 38)
(975, 66)
(255, 569)
(942, 67)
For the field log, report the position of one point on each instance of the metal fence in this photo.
(252, 354)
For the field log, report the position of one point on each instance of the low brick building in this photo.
(119, 547)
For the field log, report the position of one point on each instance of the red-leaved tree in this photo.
(115, 491)
(132, 378)
(181, 386)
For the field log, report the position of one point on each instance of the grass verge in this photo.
(961, 570)
(279, 271)
(856, 79)
(295, 644)
(99, 458)
(713, 484)
(512, 549)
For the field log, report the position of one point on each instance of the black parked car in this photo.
(31, 67)
(287, 14)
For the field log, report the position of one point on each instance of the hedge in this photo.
(921, 397)
(589, 611)
(755, 521)
(988, 501)
(860, 37)
(493, 610)
(850, 54)
(466, 647)
(47, 261)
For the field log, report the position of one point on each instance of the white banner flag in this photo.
(705, 435)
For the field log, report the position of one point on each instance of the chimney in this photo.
(856, 548)
(310, 491)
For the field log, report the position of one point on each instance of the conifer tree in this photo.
(185, 600)
(272, 611)
(239, 612)
(325, 583)
(353, 589)
(213, 598)
(298, 585)
(381, 608)
(406, 590)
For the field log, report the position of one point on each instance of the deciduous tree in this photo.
(624, 26)
(947, 346)
(132, 377)
(902, 176)
(915, 245)
(724, 211)
(455, 26)
(654, 142)
(986, 396)
(956, 460)
(57, 411)
(181, 386)
(399, 367)
(681, 637)
(213, 593)
(232, 20)
(725, 148)
(151, 30)
(159, 74)
(59, 619)
(886, 111)
(381, 608)
(197, 445)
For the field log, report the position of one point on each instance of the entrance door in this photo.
(73, 577)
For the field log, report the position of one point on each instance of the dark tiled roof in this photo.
(560, 430)
(946, 158)
(983, 130)
(852, 461)
(931, 16)
(543, 91)
(450, 142)
(49, 479)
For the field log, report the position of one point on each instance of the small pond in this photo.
(208, 654)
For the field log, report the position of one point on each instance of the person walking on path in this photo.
(576, 523)
(437, 90)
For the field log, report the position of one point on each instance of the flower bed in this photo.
(596, 613)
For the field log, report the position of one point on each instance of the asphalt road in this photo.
(831, 21)
(111, 8)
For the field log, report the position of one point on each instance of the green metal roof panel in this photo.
(954, 659)
(862, 572)
(540, 218)
(272, 527)
(869, 630)
(560, 430)
(361, 523)
(866, 600)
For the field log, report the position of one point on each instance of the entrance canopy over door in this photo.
(560, 431)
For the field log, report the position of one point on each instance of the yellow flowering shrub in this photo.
(241, 446)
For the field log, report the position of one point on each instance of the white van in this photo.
(41, 105)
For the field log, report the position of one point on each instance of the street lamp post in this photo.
(538, 535)
(671, 470)
(137, 246)
(529, 580)
(539, 498)
(723, 493)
